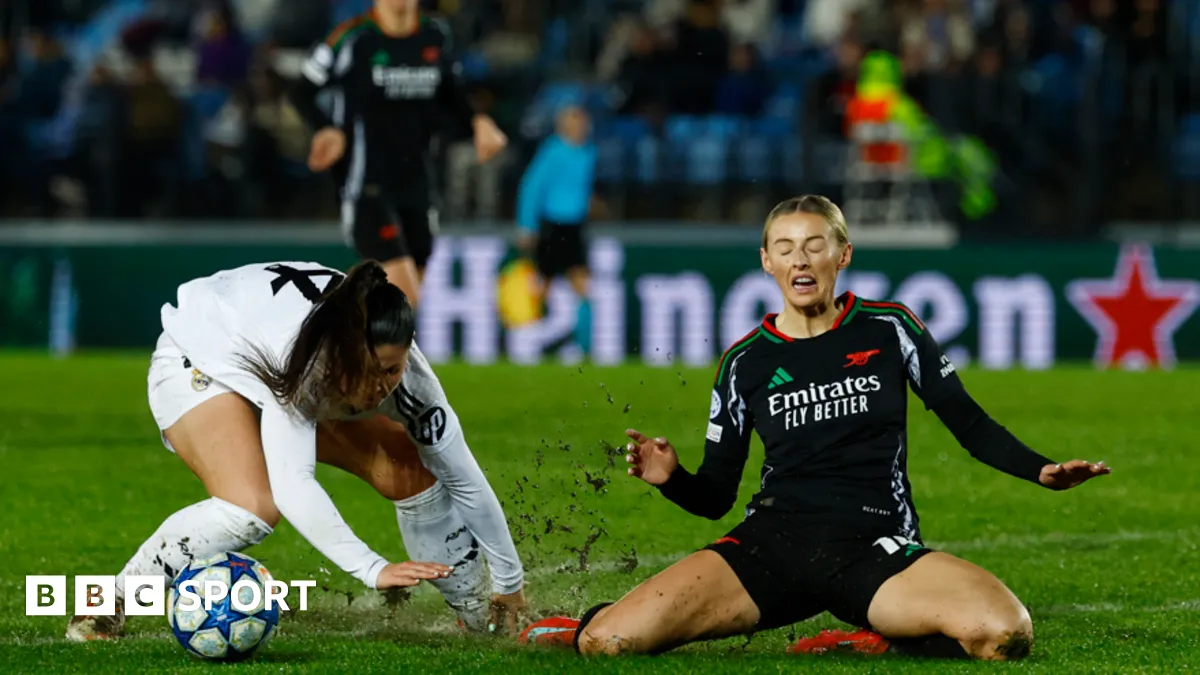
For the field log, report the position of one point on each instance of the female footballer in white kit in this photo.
(263, 371)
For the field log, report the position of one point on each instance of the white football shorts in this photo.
(174, 386)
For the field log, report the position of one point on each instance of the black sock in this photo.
(931, 646)
(585, 619)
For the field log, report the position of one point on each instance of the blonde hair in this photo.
(814, 204)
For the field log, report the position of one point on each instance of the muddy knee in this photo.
(1001, 638)
(603, 638)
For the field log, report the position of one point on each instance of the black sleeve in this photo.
(453, 100)
(934, 379)
(712, 490)
(324, 68)
(987, 440)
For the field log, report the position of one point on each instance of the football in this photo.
(226, 630)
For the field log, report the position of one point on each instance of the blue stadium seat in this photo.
(648, 151)
(791, 164)
(755, 159)
(554, 42)
(1190, 124)
(785, 102)
(759, 155)
(611, 156)
(706, 161)
(682, 128)
(1186, 150)
(774, 128)
(724, 126)
(628, 129)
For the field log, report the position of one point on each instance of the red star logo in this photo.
(1135, 313)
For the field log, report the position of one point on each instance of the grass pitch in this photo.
(1109, 571)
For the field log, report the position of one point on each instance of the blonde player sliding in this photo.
(263, 371)
(834, 527)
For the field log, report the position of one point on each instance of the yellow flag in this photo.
(519, 294)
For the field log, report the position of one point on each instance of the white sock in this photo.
(434, 531)
(203, 529)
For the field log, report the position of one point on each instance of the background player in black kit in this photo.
(833, 527)
(395, 87)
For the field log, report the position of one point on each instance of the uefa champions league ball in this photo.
(223, 632)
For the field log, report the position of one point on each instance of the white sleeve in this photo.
(290, 448)
(452, 463)
(421, 405)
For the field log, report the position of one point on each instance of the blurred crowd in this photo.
(176, 109)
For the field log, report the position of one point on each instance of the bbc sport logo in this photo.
(46, 595)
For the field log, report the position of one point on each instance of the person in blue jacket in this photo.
(553, 204)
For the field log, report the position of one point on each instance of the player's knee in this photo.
(1001, 638)
(258, 502)
(603, 638)
(396, 481)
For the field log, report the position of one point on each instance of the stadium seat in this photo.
(628, 129)
(758, 155)
(1186, 150)
(785, 102)
(706, 160)
(611, 155)
(555, 40)
(648, 153)
(682, 128)
(755, 159)
(725, 127)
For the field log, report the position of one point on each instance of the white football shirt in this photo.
(215, 321)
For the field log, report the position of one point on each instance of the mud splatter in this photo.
(611, 453)
(629, 562)
(396, 598)
(598, 483)
(584, 552)
(185, 550)
(552, 527)
(1016, 647)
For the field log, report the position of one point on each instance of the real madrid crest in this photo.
(200, 381)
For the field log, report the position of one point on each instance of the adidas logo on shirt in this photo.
(781, 377)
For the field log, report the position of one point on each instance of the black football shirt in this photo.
(392, 95)
(831, 412)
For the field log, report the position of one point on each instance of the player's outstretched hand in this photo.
(509, 613)
(489, 140)
(328, 146)
(651, 459)
(405, 574)
(1069, 474)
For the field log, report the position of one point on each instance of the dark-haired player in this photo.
(264, 370)
(833, 528)
(395, 87)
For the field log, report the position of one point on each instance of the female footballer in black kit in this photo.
(833, 528)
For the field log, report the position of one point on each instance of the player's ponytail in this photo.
(332, 359)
